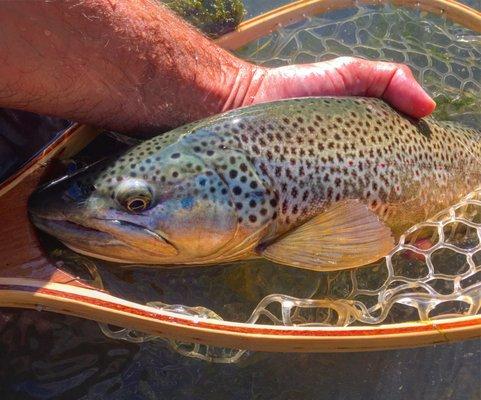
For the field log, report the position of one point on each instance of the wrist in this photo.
(219, 82)
(244, 85)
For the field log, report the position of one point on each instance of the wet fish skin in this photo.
(319, 183)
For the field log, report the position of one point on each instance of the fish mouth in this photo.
(108, 239)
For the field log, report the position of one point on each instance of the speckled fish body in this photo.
(319, 183)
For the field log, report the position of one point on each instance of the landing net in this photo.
(435, 271)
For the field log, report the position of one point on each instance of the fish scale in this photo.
(318, 183)
(317, 151)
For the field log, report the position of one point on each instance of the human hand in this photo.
(343, 76)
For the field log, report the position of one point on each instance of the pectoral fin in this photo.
(346, 235)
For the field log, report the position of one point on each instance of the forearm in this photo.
(124, 65)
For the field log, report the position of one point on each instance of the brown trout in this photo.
(315, 183)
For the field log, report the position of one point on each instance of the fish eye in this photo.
(137, 203)
(134, 196)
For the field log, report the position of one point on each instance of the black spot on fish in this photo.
(423, 128)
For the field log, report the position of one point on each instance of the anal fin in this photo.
(347, 235)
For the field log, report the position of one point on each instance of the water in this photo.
(53, 356)
(68, 358)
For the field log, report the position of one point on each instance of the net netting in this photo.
(435, 271)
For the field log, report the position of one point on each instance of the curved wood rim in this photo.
(99, 306)
(264, 24)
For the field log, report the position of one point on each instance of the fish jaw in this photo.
(111, 240)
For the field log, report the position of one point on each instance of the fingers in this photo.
(348, 76)
(404, 93)
(392, 82)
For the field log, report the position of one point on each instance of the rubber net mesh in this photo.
(435, 271)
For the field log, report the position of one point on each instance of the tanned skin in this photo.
(133, 66)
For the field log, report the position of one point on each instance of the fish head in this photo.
(150, 206)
